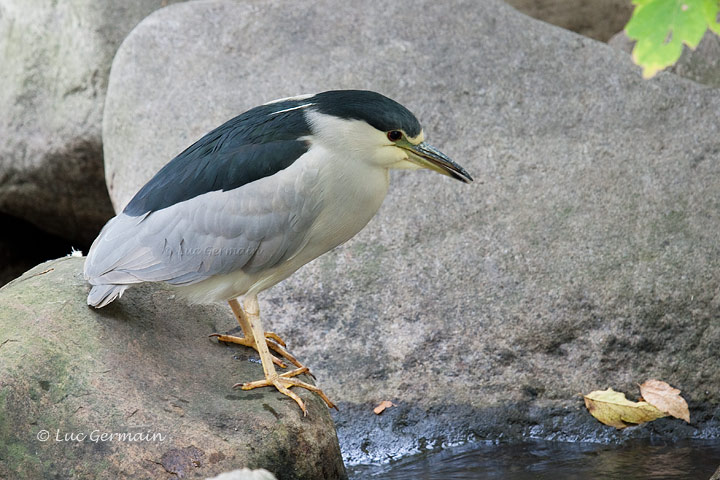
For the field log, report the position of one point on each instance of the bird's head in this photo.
(378, 129)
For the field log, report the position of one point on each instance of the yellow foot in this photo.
(284, 382)
(276, 337)
(273, 341)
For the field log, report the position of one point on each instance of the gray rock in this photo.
(137, 390)
(55, 59)
(598, 19)
(700, 65)
(585, 256)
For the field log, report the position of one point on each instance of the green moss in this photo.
(18, 454)
(48, 388)
(14, 451)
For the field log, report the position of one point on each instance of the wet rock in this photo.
(585, 256)
(137, 390)
(55, 61)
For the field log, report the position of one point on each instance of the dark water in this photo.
(696, 460)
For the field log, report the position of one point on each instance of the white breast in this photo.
(352, 193)
(348, 192)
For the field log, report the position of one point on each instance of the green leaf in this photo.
(661, 27)
(711, 16)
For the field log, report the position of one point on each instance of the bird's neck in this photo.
(351, 192)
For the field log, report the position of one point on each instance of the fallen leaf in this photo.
(612, 408)
(666, 398)
(383, 405)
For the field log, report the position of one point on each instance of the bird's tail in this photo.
(101, 295)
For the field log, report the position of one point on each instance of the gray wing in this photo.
(251, 228)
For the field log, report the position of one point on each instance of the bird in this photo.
(255, 199)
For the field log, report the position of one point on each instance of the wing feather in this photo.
(249, 229)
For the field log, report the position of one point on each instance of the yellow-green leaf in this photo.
(612, 408)
(661, 27)
(711, 16)
(665, 398)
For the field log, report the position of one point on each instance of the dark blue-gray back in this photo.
(251, 146)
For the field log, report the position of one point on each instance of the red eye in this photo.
(394, 135)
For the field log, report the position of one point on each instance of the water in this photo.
(538, 460)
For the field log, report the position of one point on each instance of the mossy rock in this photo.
(143, 373)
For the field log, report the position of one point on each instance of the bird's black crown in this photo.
(377, 110)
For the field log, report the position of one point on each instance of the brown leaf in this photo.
(612, 408)
(383, 405)
(666, 398)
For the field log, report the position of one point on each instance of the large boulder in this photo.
(584, 257)
(55, 59)
(138, 390)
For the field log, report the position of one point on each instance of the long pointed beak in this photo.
(430, 157)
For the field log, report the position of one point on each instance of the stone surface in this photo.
(701, 65)
(584, 257)
(143, 366)
(55, 59)
(598, 19)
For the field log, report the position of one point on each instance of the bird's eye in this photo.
(394, 135)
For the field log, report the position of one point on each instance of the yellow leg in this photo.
(273, 340)
(282, 382)
(242, 320)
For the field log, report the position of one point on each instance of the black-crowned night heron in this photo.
(257, 198)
